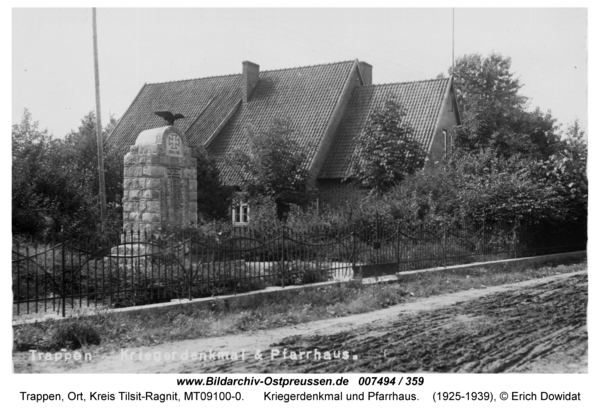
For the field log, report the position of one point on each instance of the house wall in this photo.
(334, 122)
(448, 120)
(333, 193)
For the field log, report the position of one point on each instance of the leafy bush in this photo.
(50, 336)
(477, 187)
(75, 334)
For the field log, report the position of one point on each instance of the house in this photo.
(327, 104)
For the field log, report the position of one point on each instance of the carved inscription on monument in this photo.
(174, 173)
(176, 201)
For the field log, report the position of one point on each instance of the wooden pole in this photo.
(99, 128)
(453, 41)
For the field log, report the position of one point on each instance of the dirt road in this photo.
(532, 326)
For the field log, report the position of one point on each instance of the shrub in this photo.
(69, 334)
(76, 334)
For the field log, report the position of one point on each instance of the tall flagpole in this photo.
(99, 128)
(452, 41)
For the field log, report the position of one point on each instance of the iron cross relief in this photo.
(174, 142)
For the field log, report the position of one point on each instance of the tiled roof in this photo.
(422, 100)
(306, 96)
(211, 98)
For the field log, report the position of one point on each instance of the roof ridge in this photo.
(407, 82)
(311, 65)
(239, 74)
(192, 79)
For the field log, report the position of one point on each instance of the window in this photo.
(445, 136)
(448, 143)
(239, 214)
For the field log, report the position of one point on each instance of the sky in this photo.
(53, 71)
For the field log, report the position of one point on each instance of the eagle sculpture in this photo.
(168, 116)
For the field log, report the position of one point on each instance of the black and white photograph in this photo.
(222, 191)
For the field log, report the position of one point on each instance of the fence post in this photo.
(18, 288)
(234, 252)
(27, 274)
(515, 239)
(483, 239)
(397, 246)
(353, 248)
(445, 229)
(190, 272)
(62, 241)
(377, 252)
(282, 256)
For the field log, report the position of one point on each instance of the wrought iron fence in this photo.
(64, 273)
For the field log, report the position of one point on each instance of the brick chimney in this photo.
(250, 78)
(367, 72)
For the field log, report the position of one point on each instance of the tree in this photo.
(575, 131)
(214, 198)
(541, 131)
(33, 198)
(487, 95)
(80, 154)
(494, 113)
(55, 182)
(566, 170)
(387, 151)
(274, 166)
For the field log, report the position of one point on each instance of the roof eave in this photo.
(439, 116)
(346, 89)
(454, 101)
(222, 124)
(200, 114)
(126, 111)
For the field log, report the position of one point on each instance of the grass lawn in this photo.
(109, 332)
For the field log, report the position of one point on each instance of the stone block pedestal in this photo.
(159, 186)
